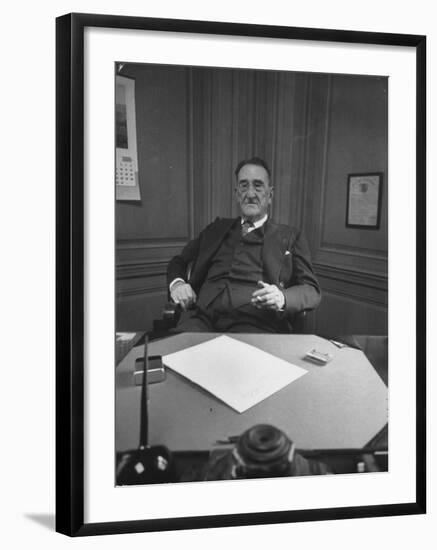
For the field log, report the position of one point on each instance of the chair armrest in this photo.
(171, 313)
(169, 319)
(298, 322)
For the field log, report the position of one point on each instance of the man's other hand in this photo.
(182, 293)
(268, 297)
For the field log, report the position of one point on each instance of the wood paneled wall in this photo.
(150, 232)
(194, 126)
(347, 133)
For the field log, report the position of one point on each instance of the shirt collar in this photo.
(258, 223)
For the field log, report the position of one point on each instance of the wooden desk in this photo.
(341, 405)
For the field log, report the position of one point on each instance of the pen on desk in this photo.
(342, 345)
(338, 344)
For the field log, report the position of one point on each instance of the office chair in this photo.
(172, 312)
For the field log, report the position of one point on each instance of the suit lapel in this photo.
(214, 238)
(275, 245)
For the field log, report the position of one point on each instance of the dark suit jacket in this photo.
(286, 262)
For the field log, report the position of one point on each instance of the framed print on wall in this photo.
(363, 207)
(99, 284)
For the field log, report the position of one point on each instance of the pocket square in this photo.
(287, 253)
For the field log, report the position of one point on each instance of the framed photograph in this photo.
(187, 115)
(363, 208)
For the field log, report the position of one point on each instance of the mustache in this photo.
(251, 201)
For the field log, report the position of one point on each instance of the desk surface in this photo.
(340, 405)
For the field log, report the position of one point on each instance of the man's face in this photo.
(253, 191)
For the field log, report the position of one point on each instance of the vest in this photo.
(237, 266)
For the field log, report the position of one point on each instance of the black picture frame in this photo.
(70, 489)
(351, 217)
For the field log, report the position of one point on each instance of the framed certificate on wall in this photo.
(363, 208)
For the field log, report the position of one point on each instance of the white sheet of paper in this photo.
(239, 374)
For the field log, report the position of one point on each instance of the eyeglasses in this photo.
(243, 186)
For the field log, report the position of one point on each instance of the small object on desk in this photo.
(155, 370)
(338, 344)
(125, 336)
(318, 357)
(342, 341)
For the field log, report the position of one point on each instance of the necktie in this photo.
(245, 226)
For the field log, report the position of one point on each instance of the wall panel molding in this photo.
(352, 276)
(341, 313)
(362, 252)
(282, 149)
(299, 151)
(222, 143)
(147, 268)
(358, 293)
(314, 150)
(358, 298)
(202, 147)
(359, 286)
(190, 152)
(144, 292)
(274, 117)
(129, 244)
(353, 300)
(324, 169)
(235, 146)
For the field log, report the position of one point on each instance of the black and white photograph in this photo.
(240, 304)
(218, 275)
(251, 320)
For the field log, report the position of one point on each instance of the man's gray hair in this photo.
(257, 161)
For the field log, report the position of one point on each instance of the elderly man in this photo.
(247, 274)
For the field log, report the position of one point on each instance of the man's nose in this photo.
(251, 192)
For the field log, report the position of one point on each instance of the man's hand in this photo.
(182, 293)
(268, 297)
